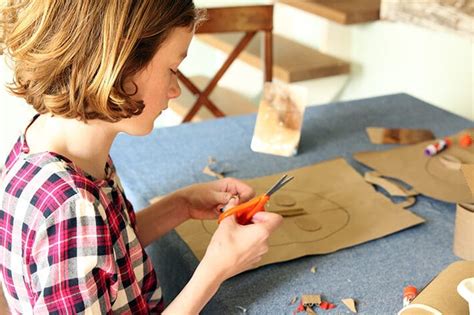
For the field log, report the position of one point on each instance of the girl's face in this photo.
(157, 83)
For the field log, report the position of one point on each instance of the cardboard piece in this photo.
(441, 293)
(468, 172)
(391, 187)
(463, 242)
(348, 209)
(215, 168)
(293, 300)
(311, 299)
(427, 175)
(350, 303)
(379, 135)
(279, 119)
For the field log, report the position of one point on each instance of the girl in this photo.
(70, 241)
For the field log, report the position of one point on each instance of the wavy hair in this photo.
(72, 58)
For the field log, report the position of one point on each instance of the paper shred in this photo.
(351, 305)
(300, 308)
(293, 300)
(284, 200)
(310, 311)
(215, 168)
(206, 170)
(290, 212)
(314, 269)
(326, 305)
(243, 309)
(310, 300)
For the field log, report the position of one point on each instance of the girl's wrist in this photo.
(208, 268)
(181, 199)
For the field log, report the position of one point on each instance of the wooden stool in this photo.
(248, 19)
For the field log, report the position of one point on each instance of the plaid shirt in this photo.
(67, 241)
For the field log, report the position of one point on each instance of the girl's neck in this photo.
(86, 144)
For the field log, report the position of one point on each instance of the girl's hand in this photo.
(203, 201)
(236, 248)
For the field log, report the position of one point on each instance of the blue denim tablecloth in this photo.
(373, 273)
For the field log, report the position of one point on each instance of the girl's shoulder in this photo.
(42, 182)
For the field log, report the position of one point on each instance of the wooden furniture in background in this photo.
(248, 19)
(292, 61)
(340, 11)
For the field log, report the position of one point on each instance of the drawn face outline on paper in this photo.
(324, 218)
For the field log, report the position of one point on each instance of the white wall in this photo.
(386, 58)
(389, 57)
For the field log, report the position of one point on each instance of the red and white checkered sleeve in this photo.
(72, 263)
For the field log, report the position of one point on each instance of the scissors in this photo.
(245, 211)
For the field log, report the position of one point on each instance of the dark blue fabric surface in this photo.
(373, 273)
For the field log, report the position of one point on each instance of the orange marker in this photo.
(465, 140)
(409, 293)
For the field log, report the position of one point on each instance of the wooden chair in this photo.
(249, 19)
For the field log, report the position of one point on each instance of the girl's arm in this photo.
(233, 249)
(161, 217)
(198, 201)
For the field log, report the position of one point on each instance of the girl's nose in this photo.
(174, 90)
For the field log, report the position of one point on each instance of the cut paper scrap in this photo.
(284, 200)
(289, 212)
(348, 209)
(215, 168)
(351, 305)
(380, 135)
(326, 305)
(427, 175)
(391, 187)
(308, 223)
(311, 299)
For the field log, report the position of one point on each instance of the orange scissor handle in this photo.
(245, 211)
(259, 207)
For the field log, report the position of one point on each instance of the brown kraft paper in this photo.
(340, 210)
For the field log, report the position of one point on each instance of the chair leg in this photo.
(268, 58)
(203, 98)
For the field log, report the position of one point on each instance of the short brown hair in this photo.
(72, 58)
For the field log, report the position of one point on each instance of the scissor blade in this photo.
(276, 184)
(282, 182)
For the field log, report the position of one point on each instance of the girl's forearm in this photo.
(160, 217)
(200, 289)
